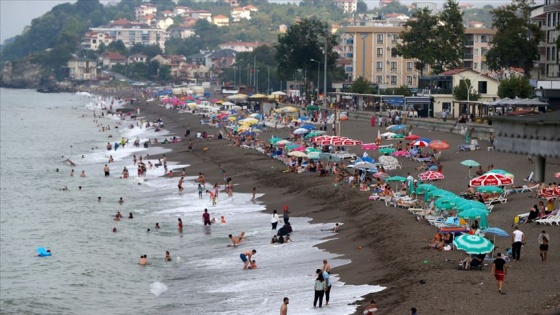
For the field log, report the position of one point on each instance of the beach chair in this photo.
(549, 220)
(529, 178)
(522, 189)
(429, 207)
(501, 199)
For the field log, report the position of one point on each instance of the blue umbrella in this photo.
(424, 139)
(397, 127)
(367, 159)
(495, 231)
(309, 127)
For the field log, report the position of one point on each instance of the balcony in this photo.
(467, 56)
(469, 43)
(349, 55)
(349, 42)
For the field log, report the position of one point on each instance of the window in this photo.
(482, 87)
(409, 66)
(379, 52)
(393, 80)
(393, 66)
(379, 79)
(395, 37)
(380, 38)
(475, 66)
(446, 106)
(393, 52)
(379, 65)
(409, 80)
(484, 39)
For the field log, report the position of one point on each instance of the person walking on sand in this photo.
(246, 257)
(274, 219)
(284, 306)
(543, 245)
(499, 270)
(286, 215)
(518, 238)
(206, 217)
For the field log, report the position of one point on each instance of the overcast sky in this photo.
(16, 14)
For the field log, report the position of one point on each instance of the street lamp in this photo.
(318, 74)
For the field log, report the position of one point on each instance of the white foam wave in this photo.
(158, 288)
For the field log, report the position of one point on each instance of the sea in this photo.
(93, 270)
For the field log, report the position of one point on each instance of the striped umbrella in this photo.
(420, 143)
(431, 175)
(491, 180)
(473, 244)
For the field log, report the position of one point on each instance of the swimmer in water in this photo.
(180, 225)
(143, 260)
(83, 174)
(167, 256)
(98, 199)
(114, 230)
(157, 225)
(246, 257)
(121, 201)
(130, 215)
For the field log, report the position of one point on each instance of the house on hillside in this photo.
(146, 19)
(220, 59)
(168, 13)
(109, 59)
(190, 71)
(137, 58)
(173, 61)
(164, 23)
(198, 58)
(92, 40)
(221, 20)
(188, 22)
(82, 69)
(282, 28)
(181, 32)
(202, 14)
(241, 46)
(347, 6)
(145, 9)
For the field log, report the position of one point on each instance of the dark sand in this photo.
(393, 244)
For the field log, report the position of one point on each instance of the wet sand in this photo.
(387, 245)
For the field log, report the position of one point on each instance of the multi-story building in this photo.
(241, 46)
(477, 44)
(145, 9)
(92, 40)
(82, 69)
(131, 34)
(348, 6)
(370, 46)
(547, 16)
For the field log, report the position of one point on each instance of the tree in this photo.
(301, 43)
(361, 7)
(461, 91)
(418, 39)
(449, 38)
(403, 90)
(118, 46)
(394, 7)
(164, 73)
(361, 86)
(517, 38)
(515, 86)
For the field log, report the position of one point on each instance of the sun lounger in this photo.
(549, 220)
(385, 146)
(524, 188)
(500, 199)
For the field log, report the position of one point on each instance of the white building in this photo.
(348, 6)
(144, 9)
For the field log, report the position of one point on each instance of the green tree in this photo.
(164, 73)
(118, 46)
(461, 92)
(394, 7)
(301, 43)
(361, 7)
(403, 90)
(361, 86)
(515, 86)
(418, 39)
(163, 5)
(517, 38)
(449, 38)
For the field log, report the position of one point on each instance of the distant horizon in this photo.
(16, 15)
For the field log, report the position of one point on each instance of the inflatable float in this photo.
(43, 252)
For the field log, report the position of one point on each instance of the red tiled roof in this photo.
(114, 56)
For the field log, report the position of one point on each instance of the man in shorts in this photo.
(499, 270)
(246, 257)
(106, 170)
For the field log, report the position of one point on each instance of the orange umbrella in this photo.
(439, 145)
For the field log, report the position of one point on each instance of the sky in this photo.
(16, 14)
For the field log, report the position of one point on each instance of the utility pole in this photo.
(325, 74)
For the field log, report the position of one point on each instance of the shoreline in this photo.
(390, 239)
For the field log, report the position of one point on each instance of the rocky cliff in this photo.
(27, 74)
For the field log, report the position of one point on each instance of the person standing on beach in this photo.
(499, 270)
(286, 215)
(200, 190)
(327, 284)
(106, 170)
(518, 239)
(274, 219)
(284, 306)
(246, 257)
(206, 217)
(180, 184)
(543, 245)
(319, 288)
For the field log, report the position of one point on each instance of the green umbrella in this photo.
(473, 244)
(292, 146)
(425, 187)
(274, 140)
(471, 204)
(448, 202)
(386, 150)
(395, 179)
(311, 149)
(398, 136)
(313, 155)
(311, 107)
(490, 189)
(473, 213)
(470, 163)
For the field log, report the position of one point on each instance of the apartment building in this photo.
(547, 16)
(131, 34)
(370, 47)
(348, 6)
(145, 9)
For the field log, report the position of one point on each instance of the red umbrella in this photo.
(439, 145)
(491, 179)
(400, 153)
(412, 137)
(369, 146)
(431, 175)
(420, 143)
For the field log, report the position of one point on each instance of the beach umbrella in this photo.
(346, 142)
(472, 213)
(452, 229)
(311, 149)
(400, 153)
(274, 140)
(557, 175)
(387, 135)
(291, 146)
(279, 93)
(501, 172)
(382, 175)
(249, 121)
(420, 143)
(311, 107)
(257, 96)
(237, 97)
(470, 164)
(369, 146)
(386, 150)
(297, 154)
(388, 160)
(300, 131)
(300, 148)
(490, 189)
(448, 202)
(309, 127)
(397, 127)
(430, 175)
(364, 165)
(496, 231)
(471, 204)
(491, 180)
(473, 244)
(398, 136)
(282, 142)
(412, 137)
(395, 179)
(439, 145)
(289, 109)
(425, 187)
(313, 155)
(256, 116)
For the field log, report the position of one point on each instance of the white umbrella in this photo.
(300, 131)
(388, 160)
(279, 93)
(297, 154)
(388, 134)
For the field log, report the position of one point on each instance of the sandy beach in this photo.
(387, 245)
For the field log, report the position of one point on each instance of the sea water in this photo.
(95, 271)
